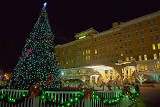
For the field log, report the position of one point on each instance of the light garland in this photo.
(47, 100)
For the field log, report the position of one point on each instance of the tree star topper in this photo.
(45, 4)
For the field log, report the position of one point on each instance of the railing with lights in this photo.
(19, 98)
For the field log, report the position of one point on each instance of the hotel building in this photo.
(138, 38)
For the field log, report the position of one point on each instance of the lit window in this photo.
(157, 66)
(142, 67)
(83, 52)
(127, 58)
(86, 58)
(146, 68)
(88, 51)
(89, 57)
(67, 62)
(95, 51)
(155, 56)
(145, 57)
(158, 45)
(140, 58)
(153, 46)
(121, 54)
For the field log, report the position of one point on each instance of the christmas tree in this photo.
(37, 63)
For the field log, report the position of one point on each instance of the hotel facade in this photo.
(137, 39)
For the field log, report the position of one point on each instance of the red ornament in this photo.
(88, 93)
(29, 51)
(24, 56)
(50, 55)
(127, 90)
(48, 39)
(33, 37)
(49, 79)
(28, 69)
(34, 90)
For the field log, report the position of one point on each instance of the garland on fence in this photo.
(14, 100)
(88, 93)
(71, 101)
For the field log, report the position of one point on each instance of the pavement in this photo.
(150, 96)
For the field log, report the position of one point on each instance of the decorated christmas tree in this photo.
(37, 64)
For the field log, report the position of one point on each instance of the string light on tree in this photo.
(38, 59)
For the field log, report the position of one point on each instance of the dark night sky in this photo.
(67, 17)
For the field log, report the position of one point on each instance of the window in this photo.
(157, 37)
(145, 68)
(89, 57)
(130, 42)
(135, 26)
(149, 22)
(88, 51)
(124, 36)
(140, 24)
(150, 29)
(158, 45)
(137, 41)
(111, 41)
(83, 52)
(126, 51)
(95, 51)
(142, 40)
(155, 56)
(125, 43)
(116, 55)
(142, 68)
(152, 38)
(130, 51)
(128, 35)
(154, 20)
(139, 49)
(121, 54)
(136, 33)
(128, 28)
(155, 28)
(127, 58)
(142, 31)
(140, 58)
(145, 57)
(153, 46)
(86, 58)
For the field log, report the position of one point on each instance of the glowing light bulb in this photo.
(45, 4)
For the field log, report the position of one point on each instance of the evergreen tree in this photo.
(38, 61)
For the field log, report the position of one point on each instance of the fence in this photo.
(62, 96)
